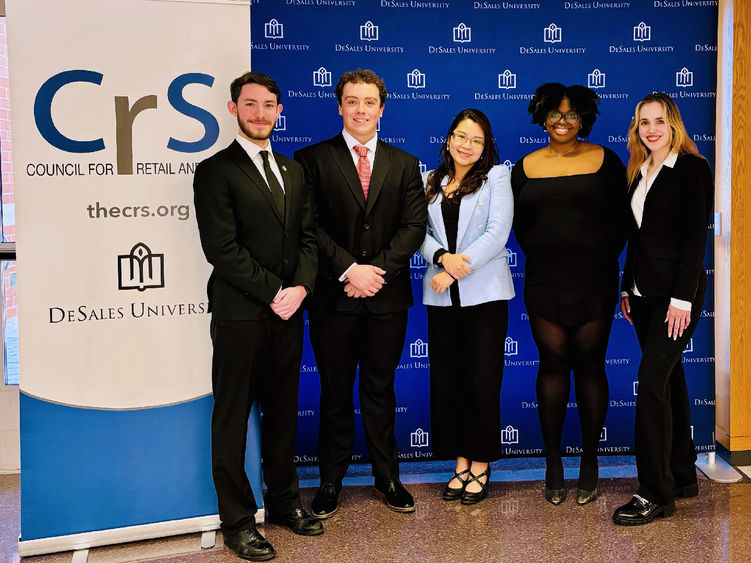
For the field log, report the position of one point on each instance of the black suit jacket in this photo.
(666, 255)
(253, 248)
(385, 231)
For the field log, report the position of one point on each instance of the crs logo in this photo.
(125, 115)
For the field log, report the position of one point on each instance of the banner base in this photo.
(80, 543)
(717, 469)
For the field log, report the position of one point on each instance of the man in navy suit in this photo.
(371, 215)
(256, 226)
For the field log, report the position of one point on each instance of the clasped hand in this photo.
(441, 282)
(288, 301)
(364, 280)
(457, 265)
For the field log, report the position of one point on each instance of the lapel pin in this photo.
(284, 168)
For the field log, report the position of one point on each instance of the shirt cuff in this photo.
(680, 304)
(344, 275)
(438, 253)
(624, 293)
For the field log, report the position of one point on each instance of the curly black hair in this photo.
(548, 96)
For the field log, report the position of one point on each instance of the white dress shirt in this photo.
(637, 207)
(351, 143)
(254, 152)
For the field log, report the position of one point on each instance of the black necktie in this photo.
(276, 189)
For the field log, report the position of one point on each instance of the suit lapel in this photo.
(242, 160)
(344, 161)
(381, 166)
(466, 208)
(436, 216)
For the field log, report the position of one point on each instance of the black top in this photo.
(572, 230)
(450, 212)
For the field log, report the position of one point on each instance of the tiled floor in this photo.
(513, 524)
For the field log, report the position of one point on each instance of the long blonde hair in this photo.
(680, 142)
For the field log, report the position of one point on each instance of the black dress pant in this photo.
(341, 342)
(255, 360)
(665, 453)
(466, 367)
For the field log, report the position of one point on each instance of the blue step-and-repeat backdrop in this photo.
(438, 57)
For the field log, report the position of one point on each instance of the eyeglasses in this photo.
(570, 117)
(475, 142)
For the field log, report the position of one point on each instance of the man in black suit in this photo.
(255, 221)
(371, 215)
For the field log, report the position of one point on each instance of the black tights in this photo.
(580, 348)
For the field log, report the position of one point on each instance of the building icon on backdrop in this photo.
(321, 77)
(509, 435)
(281, 123)
(141, 269)
(684, 78)
(511, 258)
(419, 438)
(552, 34)
(510, 347)
(596, 79)
(368, 32)
(418, 349)
(272, 29)
(642, 32)
(415, 79)
(507, 80)
(462, 34)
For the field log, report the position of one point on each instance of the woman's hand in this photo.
(626, 308)
(457, 265)
(677, 320)
(441, 282)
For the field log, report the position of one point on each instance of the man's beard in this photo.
(245, 129)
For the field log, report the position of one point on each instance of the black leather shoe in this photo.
(298, 521)
(449, 493)
(555, 496)
(394, 495)
(640, 511)
(249, 544)
(686, 491)
(474, 498)
(326, 501)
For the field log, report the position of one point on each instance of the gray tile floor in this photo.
(513, 524)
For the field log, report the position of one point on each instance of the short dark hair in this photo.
(254, 78)
(548, 96)
(361, 76)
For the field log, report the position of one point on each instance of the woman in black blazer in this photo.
(671, 193)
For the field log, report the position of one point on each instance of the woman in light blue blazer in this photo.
(466, 287)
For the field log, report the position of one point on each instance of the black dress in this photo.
(572, 230)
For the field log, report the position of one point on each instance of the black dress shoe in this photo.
(450, 493)
(326, 501)
(298, 521)
(249, 544)
(555, 496)
(394, 495)
(686, 491)
(474, 498)
(639, 511)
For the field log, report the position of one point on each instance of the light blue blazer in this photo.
(485, 219)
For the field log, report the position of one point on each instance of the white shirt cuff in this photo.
(680, 304)
(344, 275)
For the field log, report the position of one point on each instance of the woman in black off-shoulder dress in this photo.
(570, 222)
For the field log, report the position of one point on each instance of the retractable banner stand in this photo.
(113, 105)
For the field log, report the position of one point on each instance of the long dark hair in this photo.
(479, 171)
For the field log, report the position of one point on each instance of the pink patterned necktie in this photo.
(363, 168)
